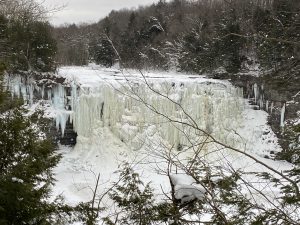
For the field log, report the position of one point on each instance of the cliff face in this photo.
(49, 93)
(279, 95)
(89, 101)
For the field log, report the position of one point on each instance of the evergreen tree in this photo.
(26, 160)
(150, 40)
(198, 53)
(32, 46)
(25, 164)
(133, 198)
(230, 45)
(130, 43)
(3, 39)
(26, 44)
(43, 46)
(102, 52)
(277, 31)
(26, 156)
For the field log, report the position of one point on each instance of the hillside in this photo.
(195, 36)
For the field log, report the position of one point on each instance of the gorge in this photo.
(118, 114)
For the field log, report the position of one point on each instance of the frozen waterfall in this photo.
(134, 107)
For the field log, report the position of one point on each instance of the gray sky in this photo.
(77, 11)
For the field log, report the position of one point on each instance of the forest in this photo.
(223, 39)
(194, 36)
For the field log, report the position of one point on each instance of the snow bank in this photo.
(186, 189)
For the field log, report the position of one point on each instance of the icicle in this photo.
(49, 95)
(267, 105)
(43, 91)
(272, 107)
(73, 96)
(282, 115)
(212, 107)
(16, 89)
(255, 90)
(59, 104)
(58, 99)
(23, 91)
(30, 94)
(261, 103)
(61, 121)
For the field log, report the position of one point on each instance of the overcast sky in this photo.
(77, 11)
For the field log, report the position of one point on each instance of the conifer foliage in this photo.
(25, 163)
(134, 198)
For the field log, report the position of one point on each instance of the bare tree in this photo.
(27, 10)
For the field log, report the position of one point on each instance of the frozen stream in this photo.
(127, 116)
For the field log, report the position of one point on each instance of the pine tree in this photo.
(27, 45)
(133, 198)
(277, 31)
(102, 52)
(32, 46)
(198, 53)
(130, 43)
(25, 164)
(229, 46)
(26, 156)
(43, 46)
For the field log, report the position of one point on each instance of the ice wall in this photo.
(134, 109)
(52, 96)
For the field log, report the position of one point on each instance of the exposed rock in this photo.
(272, 92)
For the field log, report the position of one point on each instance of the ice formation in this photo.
(132, 107)
(282, 115)
(258, 99)
(32, 90)
(129, 104)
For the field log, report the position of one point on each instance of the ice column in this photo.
(130, 111)
(282, 115)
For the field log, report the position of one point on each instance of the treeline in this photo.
(195, 36)
(26, 41)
